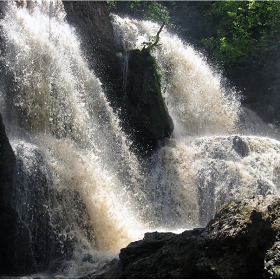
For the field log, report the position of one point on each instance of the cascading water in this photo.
(72, 154)
(62, 124)
(207, 161)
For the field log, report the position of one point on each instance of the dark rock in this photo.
(144, 104)
(240, 146)
(7, 212)
(151, 243)
(33, 214)
(139, 103)
(7, 158)
(92, 22)
(169, 256)
(45, 227)
(241, 241)
(235, 242)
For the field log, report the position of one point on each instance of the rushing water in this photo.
(219, 151)
(70, 146)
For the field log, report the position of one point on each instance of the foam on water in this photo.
(60, 123)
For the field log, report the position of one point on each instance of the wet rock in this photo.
(240, 146)
(37, 229)
(241, 241)
(144, 104)
(174, 257)
(140, 105)
(234, 244)
(92, 23)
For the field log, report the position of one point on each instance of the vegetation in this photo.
(276, 274)
(243, 30)
(239, 30)
(241, 36)
(150, 10)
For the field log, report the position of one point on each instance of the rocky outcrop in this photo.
(34, 214)
(241, 241)
(235, 243)
(135, 93)
(91, 20)
(160, 255)
(144, 105)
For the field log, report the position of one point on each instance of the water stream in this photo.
(71, 151)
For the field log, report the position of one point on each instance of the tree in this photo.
(244, 30)
(150, 10)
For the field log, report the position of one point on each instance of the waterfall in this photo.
(62, 124)
(218, 151)
(81, 193)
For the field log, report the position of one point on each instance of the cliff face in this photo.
(92, 23)
(7, 212)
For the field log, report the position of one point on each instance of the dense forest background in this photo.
(239, 38)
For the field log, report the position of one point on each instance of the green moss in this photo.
(146, 105)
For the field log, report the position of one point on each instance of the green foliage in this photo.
(150, 10)
(158, 13)
(112, 5)
(244, 30)
(276, 274)
(149, 45)
(154, 11)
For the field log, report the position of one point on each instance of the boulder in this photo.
(240, 146)
(160, 255)
(144, 104)
(241, 241)
(234, 244)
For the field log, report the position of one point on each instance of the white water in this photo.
(198, 169)
(63, 112)
(60, 111)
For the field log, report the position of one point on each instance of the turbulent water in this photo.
(218, 151)
(63, 130)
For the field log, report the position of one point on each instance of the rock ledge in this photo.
(241, 241)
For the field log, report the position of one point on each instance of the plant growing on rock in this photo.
(151, 10)
(144, 104)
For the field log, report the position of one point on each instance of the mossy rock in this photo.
(145, 106)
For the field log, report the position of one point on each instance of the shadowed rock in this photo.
(241, 241)
(145, 107)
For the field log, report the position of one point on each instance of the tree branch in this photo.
(157, 36)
